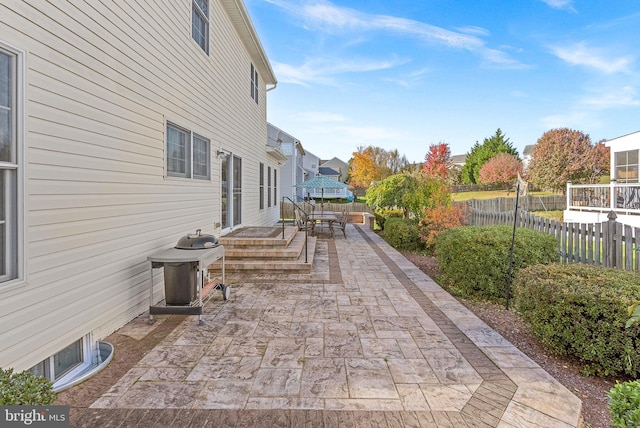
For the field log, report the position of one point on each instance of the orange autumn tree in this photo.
(502, 169)
(362, 169)
(441, 215)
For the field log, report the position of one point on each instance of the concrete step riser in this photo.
(262, 255)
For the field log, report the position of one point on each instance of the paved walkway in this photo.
(366, 339)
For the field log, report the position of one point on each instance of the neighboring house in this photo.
(527, 155)
(123, 126)
(310, 164)
(292, 170)
(591, 203)
(458, 161)
(329, 172)
(337, 165)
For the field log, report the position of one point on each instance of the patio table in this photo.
(322, 217)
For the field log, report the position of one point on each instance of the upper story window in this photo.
(627, 166)
(188, 154)
(200, 23)
(254, 84)
(10, 166)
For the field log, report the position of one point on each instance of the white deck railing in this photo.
(328, 193)
(618, 197)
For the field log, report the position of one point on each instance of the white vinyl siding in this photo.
(104, 78)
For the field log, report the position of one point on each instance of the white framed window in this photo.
(275, 187)
(254, 83)
(626, 164)
(268, 186)
(66, 363)
(261, 193)
(188, 154)
(201, 158)
(200, 23)
(11, 163)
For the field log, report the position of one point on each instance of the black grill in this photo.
(197, 241)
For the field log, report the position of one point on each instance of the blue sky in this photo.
(405, 74)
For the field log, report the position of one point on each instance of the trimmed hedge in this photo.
(402, 234)
(581, 310)
(474, 260)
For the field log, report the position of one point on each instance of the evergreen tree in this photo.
(482, 153)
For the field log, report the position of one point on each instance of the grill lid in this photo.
(197, 241)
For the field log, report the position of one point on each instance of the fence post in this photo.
(568, 194)
(610, 260)
(612, 194)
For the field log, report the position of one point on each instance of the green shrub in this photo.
(624, 404)
(24, 389)
(382, 215)
(581, 310)
(402, 234)
(474, 261)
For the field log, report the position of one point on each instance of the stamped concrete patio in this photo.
(366, 339)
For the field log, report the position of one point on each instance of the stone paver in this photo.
(365, 339)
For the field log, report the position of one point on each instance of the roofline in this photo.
(241, 20)
(622, 136)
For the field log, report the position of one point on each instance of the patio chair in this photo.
(302, 221)
(342, 221)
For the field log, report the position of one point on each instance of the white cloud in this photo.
(499, 59)
(594, 58)
(623, 97)
(410, 79)
(322, 15)
(323, 70)
(560, 4)
(473, 30)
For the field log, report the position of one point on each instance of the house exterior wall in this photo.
(101, 83)
(622, 144)
(291, 148)
(627, 212)
(340, 166)
(311, 164)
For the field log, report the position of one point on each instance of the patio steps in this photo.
(264, 249)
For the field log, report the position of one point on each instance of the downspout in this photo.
(273, 87)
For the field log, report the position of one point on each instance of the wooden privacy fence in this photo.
(609, 244)
(527, 203)
(287, 208)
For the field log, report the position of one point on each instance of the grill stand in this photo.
(204, 257)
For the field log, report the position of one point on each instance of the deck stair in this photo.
(265, 249)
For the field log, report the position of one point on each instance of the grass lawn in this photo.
(490, 194)
(553, 215)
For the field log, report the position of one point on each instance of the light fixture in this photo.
(220, 154)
